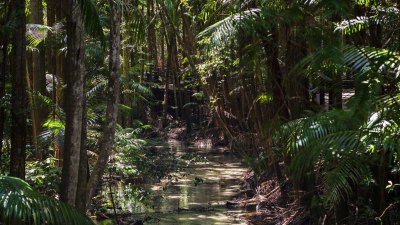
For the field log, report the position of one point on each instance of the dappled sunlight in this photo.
(195, 195)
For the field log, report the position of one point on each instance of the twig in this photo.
(387, 209)
(324, 220)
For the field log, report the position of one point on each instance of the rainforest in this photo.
(199, 112)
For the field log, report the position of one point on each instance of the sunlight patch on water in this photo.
(187, 202)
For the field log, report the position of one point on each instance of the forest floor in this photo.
(263, 199)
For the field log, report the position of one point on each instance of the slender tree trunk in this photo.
(38, 80)
(172, 68)
(165, 79)
(124, 117)
(80, 202)
(335, 94)
(54, 70)
(275, 76)
(152, 39)
(296, 86)
(3, 63)
(107, 140)
(278, 109)
(189, 48)
(18, 96)
(4, 41)
(74, 101)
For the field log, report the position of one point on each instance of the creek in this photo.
(196, 194)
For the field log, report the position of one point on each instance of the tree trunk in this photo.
(18, 96)
(279, 109)
(296, 86)
(3, 63)
(80, 202)
(74, 100)
(53, 67)
(107, 140)
(172, 68)
(189, 46)
(335, 94)
(152, 39)
(38, 80)
(165, 79)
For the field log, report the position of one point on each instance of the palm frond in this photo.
(363, 59)
(223, 30)
(136, 26)
(385, 16)
(36, 33)
(91, 19)
(125, 109)
(21, 204)
(329, 144)
(141, 89)
(53, 131)
(353, 25)
(96, 89)
(339, 182)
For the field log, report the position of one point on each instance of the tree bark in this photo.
(80, 202)
(172, 67)
(53, 66)
(74, 101)
(152, 39)
(38, 80)
(279, 109)
(165, 79)
(107, 140)
(189, 46)
(125, 118)
(18, 96)
(296, 86)
(3, 63)
(4, 40)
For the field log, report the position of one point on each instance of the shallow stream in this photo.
(197, 196)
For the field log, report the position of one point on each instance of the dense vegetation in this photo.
(305, 90)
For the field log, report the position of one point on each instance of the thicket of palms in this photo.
(345, 158)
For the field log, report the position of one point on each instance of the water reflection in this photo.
(198, 196)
